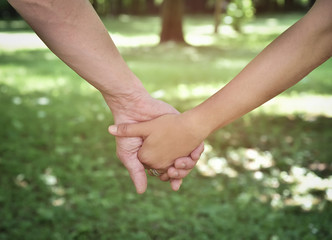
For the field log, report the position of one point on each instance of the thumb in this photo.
(128, 130)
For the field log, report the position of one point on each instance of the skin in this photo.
(75, 33)
(283, 63)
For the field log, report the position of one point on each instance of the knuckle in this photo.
(123, 128)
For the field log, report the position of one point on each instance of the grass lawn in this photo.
(265, 176)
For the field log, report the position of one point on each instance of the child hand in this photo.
(165, 139)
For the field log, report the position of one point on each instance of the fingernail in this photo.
(113, 129)
(183, 165)
(176, 174)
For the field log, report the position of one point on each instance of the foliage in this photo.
(282, 5)
(239, 11)
(60, 178)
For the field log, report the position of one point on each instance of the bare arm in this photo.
(74, 32)
(289, 58)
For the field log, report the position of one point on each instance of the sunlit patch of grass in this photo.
(259, 165)
(13, 41)
(308, 105)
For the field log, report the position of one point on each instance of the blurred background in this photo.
(265, 176)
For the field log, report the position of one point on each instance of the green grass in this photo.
(60, 178)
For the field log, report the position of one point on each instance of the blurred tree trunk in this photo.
(116, 7)
(196, 6)
(135, 7)
(172, 11)
(289, 5)
(217, 14)
(150, 6)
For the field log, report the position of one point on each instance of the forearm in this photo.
(74, 32)
(283, 63)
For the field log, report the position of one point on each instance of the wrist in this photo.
(126, 107)
(125, 98)
(196, 122)
(136, 106)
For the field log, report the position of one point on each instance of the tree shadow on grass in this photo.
(283, 160)
(288, 135)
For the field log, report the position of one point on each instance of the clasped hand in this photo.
(165, 139)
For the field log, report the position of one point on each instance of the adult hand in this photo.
(140, 108)
(81, 41)
(164, 139)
